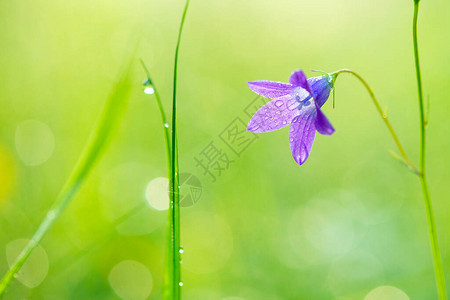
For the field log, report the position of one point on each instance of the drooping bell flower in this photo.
(297, 104)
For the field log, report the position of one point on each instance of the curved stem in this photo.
(402, 151)
(437, 261)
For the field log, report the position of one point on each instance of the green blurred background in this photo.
(349, 224)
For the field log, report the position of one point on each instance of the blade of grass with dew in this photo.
(165, 123)
(168, 275)
(172, 284)
(100, 137)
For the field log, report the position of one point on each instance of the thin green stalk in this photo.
(168, 276)
(100, 137)
(173, 292)
(165, 123)
(385, 118)
(437, 261)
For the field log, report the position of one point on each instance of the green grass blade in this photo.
(164, 121)
(100, 137)
(172, 288)
(168, 275)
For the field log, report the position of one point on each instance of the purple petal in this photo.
(322, 124)
(301, 134)
(298, 78)
(270, 89)
(274, 115)
(321, 87)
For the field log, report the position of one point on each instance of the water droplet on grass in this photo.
(148, 88)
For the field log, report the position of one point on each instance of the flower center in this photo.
(305, 102)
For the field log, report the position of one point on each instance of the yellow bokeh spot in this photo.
(6, 173)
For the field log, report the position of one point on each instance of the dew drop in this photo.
(148, 88)
(278, 103)
(166, 125)
(181, 284)
(181, 251)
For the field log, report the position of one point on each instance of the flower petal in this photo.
(274, 115)
(270, 89)
(322, 124)
(321, 87)
(298, 78)
(301, 134)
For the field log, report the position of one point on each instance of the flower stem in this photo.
(99, 139)
(173, 278)
(438, 268)
(385, 118)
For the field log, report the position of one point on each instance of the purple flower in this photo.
(298, 104)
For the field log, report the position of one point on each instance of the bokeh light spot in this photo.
(35, 269)
(157, 193)
(359, 269)
(327, 226)
(131, 280)
(122, 192)
(386, 292)
(35, 142)
(383, 188)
